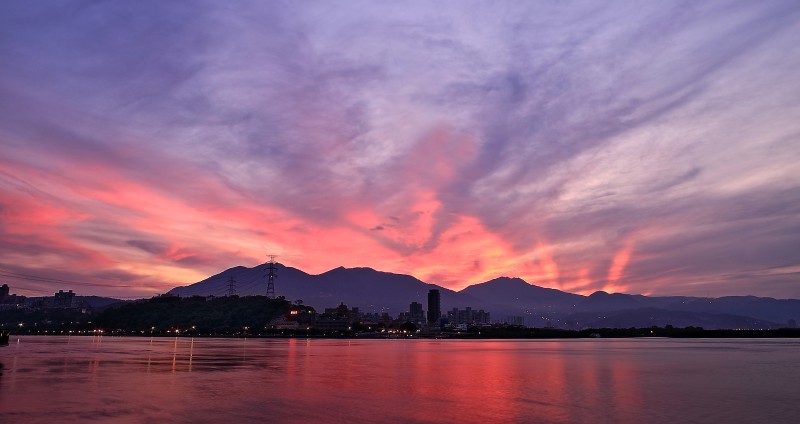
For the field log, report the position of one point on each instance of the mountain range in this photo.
(504, 298)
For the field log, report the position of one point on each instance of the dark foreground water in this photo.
(141, 380)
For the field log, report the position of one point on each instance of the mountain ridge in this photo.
(379, 291)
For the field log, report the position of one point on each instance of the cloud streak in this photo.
(581, 146)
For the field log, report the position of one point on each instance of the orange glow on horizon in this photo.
(617, 270)
(581, 284)
(544, 269)
(162, 240)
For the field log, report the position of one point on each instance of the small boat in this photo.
(4, 337)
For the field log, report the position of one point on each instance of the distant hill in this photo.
(377, 291)
(648, 317)
(774, 311)
(100, 303)
(522, 295)
(516, 296)
(366, 288)
(94, 302)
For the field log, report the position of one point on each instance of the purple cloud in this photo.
(651, 149)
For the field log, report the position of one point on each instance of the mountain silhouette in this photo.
(504, 297)
(366, 288)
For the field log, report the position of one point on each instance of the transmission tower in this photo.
(231, 287)
(272, 274)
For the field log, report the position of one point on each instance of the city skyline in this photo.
(580, 146)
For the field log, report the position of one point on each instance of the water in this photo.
(142, 380)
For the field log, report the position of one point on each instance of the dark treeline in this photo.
(194, 314)
(251, 315)
(159, 315)
(511, 332)
(23, 321)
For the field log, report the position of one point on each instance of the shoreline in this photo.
(483, 334)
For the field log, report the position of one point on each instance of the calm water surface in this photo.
(141, 380)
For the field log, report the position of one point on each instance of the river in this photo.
(48, 379)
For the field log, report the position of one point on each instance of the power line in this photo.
(49, 293)
(31, 289)
(30, 277)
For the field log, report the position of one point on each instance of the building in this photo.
(517, 320)
(415, 312)
(342, 312)
(467, 316)
(64, 299)
(434, 307)
(10, 301)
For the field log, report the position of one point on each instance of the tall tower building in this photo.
(3, 292)
(434, 306)
(415, 312)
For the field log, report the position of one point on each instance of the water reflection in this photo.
(252, 380)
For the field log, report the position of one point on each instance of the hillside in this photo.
(377, 291)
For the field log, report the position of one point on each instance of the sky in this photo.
(626, 146)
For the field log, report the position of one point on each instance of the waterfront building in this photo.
(416, 314)
(10, 301)
(64, 299)
(342, 312)
(516, 320)
(467, 316)
(434, 307)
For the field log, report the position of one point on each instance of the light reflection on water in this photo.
(138, 380)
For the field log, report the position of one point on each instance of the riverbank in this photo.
(474, 333)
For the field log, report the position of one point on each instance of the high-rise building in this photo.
(415, 312)
(468, 316)
(434, 306)
(64, 299)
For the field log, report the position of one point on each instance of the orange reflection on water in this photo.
(80, 379)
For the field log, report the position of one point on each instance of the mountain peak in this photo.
(508, 281)
(375, 290)
(338, 269)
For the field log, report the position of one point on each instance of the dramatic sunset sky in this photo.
(626, 146)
